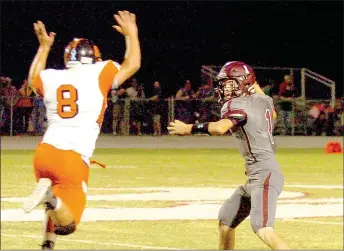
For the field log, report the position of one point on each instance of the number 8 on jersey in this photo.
(67, 95)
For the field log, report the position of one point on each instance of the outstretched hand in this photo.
(126, 23)
(44, 39)
(179, 128)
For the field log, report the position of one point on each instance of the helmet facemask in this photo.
(229, 88)
(235, 79)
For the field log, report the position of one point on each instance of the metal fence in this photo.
(309, 84)
(148, 117)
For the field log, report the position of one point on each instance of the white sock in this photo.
(58, 204)
(47, 236)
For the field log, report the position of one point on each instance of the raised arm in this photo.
(39, 62)
(132, 58)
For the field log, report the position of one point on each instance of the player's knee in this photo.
(256, 225)
(264, 232)
(224, 229)
(226, 223)
(65, 230)
(223, 216)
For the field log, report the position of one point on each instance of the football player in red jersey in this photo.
(249, 115)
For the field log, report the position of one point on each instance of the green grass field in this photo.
(130, 172)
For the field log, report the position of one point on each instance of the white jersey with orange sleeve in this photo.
(75, 101)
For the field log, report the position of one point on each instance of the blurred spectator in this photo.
(286, 95)
(106, 126)
(156, 108)
(320, 122)
(9, 96)
(186, 92)
(183, 104)
(271, 89)
(117, 97)
(38, 114)
(135, 93)
(24, 107)
(312, 116)
(206, 94)
(339, 117)
(141, 91)
(132, 90)
(206, 91)
(330, 117)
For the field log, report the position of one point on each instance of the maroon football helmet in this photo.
(235, 79)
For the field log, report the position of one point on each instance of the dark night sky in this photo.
(178, 37)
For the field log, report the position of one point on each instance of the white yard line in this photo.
(314, 222)
(315, 186)
(322, 186)
(169, 194)
(18, 187)
(92, 242)
(312, 201)
(183, 212)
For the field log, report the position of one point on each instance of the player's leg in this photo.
(269, 236)
(58, 221)
(62, 184)
(49, 168)
(263, 210)
(226, 237)
(68, 216)
(231, 214)
(43, 194)
(49, 236)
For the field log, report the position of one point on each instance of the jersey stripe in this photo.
(37, 83)
(105, 80)
(266, 200)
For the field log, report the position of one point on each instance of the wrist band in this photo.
(200, 128)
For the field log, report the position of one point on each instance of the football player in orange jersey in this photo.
(75, 99)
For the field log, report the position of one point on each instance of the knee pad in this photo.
(65, 230)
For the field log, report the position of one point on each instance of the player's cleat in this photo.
(48, 245)
(40, 195)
